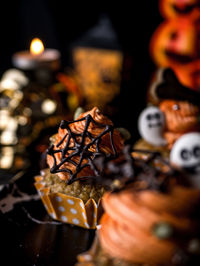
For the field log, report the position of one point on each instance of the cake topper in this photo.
(151, 123)
(185, 153)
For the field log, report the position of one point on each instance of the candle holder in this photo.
(39, 64)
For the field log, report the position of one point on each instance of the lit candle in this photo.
(37, 57)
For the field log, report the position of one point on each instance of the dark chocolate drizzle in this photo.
(81, 149)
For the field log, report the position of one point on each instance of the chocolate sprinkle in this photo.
(81, 149)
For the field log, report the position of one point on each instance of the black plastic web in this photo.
(81, 149)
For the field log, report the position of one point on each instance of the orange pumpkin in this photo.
(181, 117)
(173, 8)
(175, 44)
(189, 74)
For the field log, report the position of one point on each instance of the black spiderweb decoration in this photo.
(81, 149)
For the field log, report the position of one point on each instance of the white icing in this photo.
(151, 123)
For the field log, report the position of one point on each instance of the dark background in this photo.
(60, 23)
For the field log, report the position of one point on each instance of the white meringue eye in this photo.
(151, 123)
(185, 152)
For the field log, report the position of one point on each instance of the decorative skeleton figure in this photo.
(186, 152)
(151, 123)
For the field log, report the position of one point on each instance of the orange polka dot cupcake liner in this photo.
(69, 209)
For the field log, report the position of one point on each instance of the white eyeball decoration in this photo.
(185, 153)
(151, 124)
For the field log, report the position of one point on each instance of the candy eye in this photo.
(196, 151)
(149, 117)
(157, 116)
(176, 107)
(185, 154)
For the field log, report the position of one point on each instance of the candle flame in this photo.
(36, 47)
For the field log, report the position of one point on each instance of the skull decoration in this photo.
(151, 124)
(185, 153)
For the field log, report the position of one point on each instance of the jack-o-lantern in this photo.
(173, 8)
(175, 44)
(189, 74)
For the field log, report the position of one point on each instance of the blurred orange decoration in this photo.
(173, 8)
(176, 42)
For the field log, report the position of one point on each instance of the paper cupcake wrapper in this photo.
(69, 209)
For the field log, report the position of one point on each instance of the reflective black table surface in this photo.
(29, 236)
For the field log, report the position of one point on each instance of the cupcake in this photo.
(149, 225)
(180, 106)
(181, 117)
(178, 109)
(64, 187)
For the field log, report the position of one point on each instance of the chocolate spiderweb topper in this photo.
(86, 147)
(155, 172)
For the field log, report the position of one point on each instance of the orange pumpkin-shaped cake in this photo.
(180, 117)
(180, 105)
